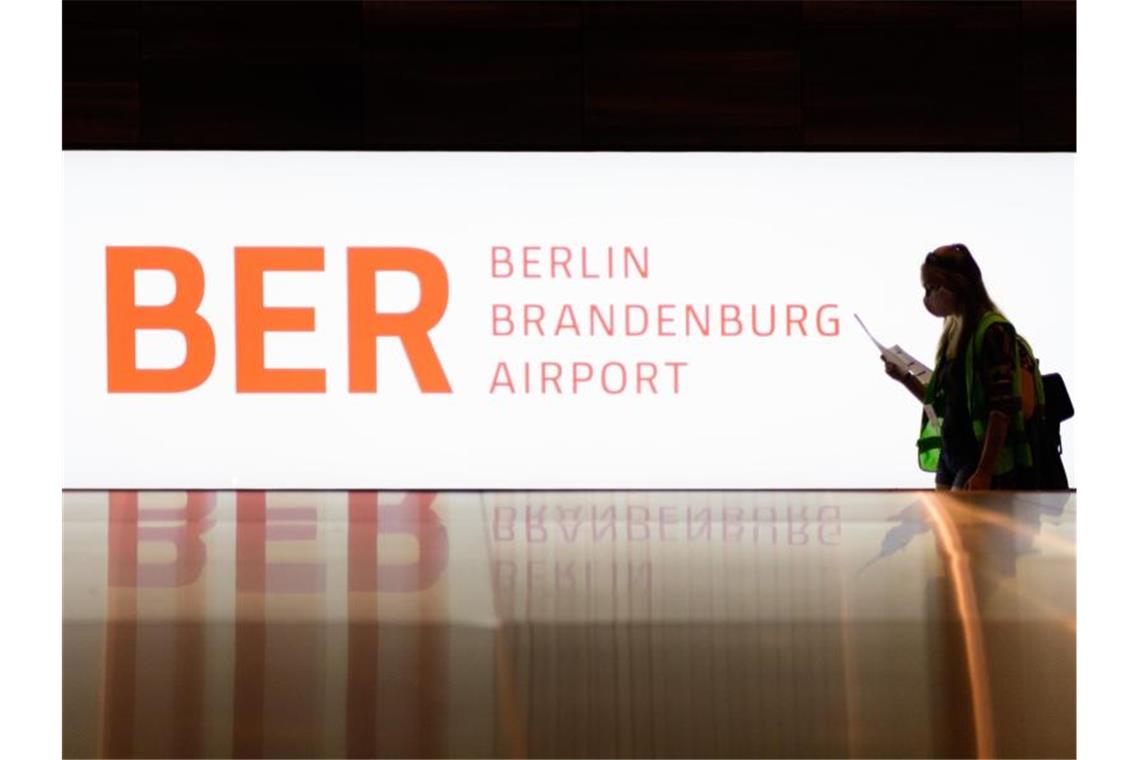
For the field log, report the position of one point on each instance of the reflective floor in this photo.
(560, 624)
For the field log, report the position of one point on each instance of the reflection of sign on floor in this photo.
(277, 547)
(789, 525)
(660, 561)
(533, 580)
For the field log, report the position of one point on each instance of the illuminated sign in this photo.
(375, 320)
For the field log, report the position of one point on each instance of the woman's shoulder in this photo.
(999, 338)
(1000, 325)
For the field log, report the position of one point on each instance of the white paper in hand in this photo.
(904, 361)
(914, 366)
(895, 355)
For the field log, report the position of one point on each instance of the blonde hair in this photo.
(963, 278)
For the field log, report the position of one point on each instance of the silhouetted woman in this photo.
(982, 434)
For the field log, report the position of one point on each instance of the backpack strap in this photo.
(1038, 389)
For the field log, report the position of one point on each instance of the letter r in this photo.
(365, 324)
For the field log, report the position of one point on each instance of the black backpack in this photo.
(1049, 470)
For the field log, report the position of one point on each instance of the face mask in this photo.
(939, 302)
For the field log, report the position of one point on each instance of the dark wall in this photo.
(798, 75)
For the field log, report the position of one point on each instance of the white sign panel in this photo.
(489, 320)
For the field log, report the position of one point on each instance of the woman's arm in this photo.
(1001, 403)
(912, 383)
(996, 428)
(915, 386)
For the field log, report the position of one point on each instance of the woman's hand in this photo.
(979, 481)
(894, 370)
(909, 381)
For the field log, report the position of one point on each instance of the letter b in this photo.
(125, 318)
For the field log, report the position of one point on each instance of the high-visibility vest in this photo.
(1016, 450)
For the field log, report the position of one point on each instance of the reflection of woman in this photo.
(981, 441)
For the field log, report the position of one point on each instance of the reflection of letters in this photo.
(131, 526)
(791, 525)
(523, 587)
(130, 727)
(257, 525)
(555, 555)
(369, 520)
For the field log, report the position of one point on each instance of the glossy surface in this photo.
(358, 624)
